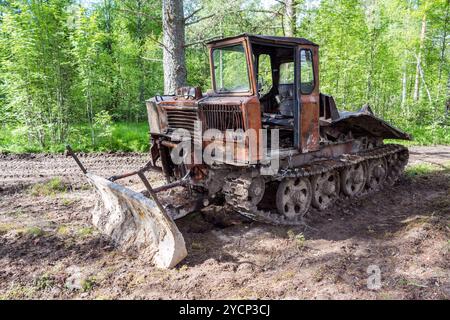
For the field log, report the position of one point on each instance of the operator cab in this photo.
(282, 73)
(275, 69)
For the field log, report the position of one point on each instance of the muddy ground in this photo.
(49, 250)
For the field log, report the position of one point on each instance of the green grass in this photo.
(299, 239)
(88, 284)
(425, 168)
(49, 188)
(85, 232)
(33, 231)
(127, 137)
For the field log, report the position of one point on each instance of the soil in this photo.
(49, 249)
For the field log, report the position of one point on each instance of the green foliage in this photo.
(103, 125)
(80, 73)
(62, 64)
(126, 137)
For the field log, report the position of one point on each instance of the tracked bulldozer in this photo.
(263, 142)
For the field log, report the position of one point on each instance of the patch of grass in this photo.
(130, 137)
(299, 239)
(18, 292)
(88, 284)
(49, 188)
(68, 202)
(183, 268)
(85, 232)
(34, 231)
(426, 168)
(410, 283)
(63, 230)
(44, 282)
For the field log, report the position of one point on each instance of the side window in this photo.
(287, 74)
(307, 82)
(265, 81)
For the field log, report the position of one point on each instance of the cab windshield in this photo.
(230, 69)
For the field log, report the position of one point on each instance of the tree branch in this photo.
(202, 41)
(200, 19)
(152, 38)
(192, 14)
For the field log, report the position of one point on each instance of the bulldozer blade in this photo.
(136, 223)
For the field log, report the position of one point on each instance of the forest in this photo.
(79, 72)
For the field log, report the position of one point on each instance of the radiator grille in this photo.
(182, 119)
(222, 117)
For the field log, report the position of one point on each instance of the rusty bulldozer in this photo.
(263, 84)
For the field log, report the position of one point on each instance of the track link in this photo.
(236, 189)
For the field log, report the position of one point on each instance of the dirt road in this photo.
(48, 248)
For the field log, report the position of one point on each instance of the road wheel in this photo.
(396, 164)
(294, 197)
(325, 189)
(376, 173)
(353, 179)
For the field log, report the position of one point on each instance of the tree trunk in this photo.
(447, 104)
(443, 49)
(291, 18)
(419, 58)
(141, 41)
(404, 86)
(174, 57)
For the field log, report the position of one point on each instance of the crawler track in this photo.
(236, 189)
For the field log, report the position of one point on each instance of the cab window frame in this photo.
(313, 84)
(213, 73)
(258, 59)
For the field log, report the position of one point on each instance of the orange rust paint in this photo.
(310, 110)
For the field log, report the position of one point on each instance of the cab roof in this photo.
(267, 39)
